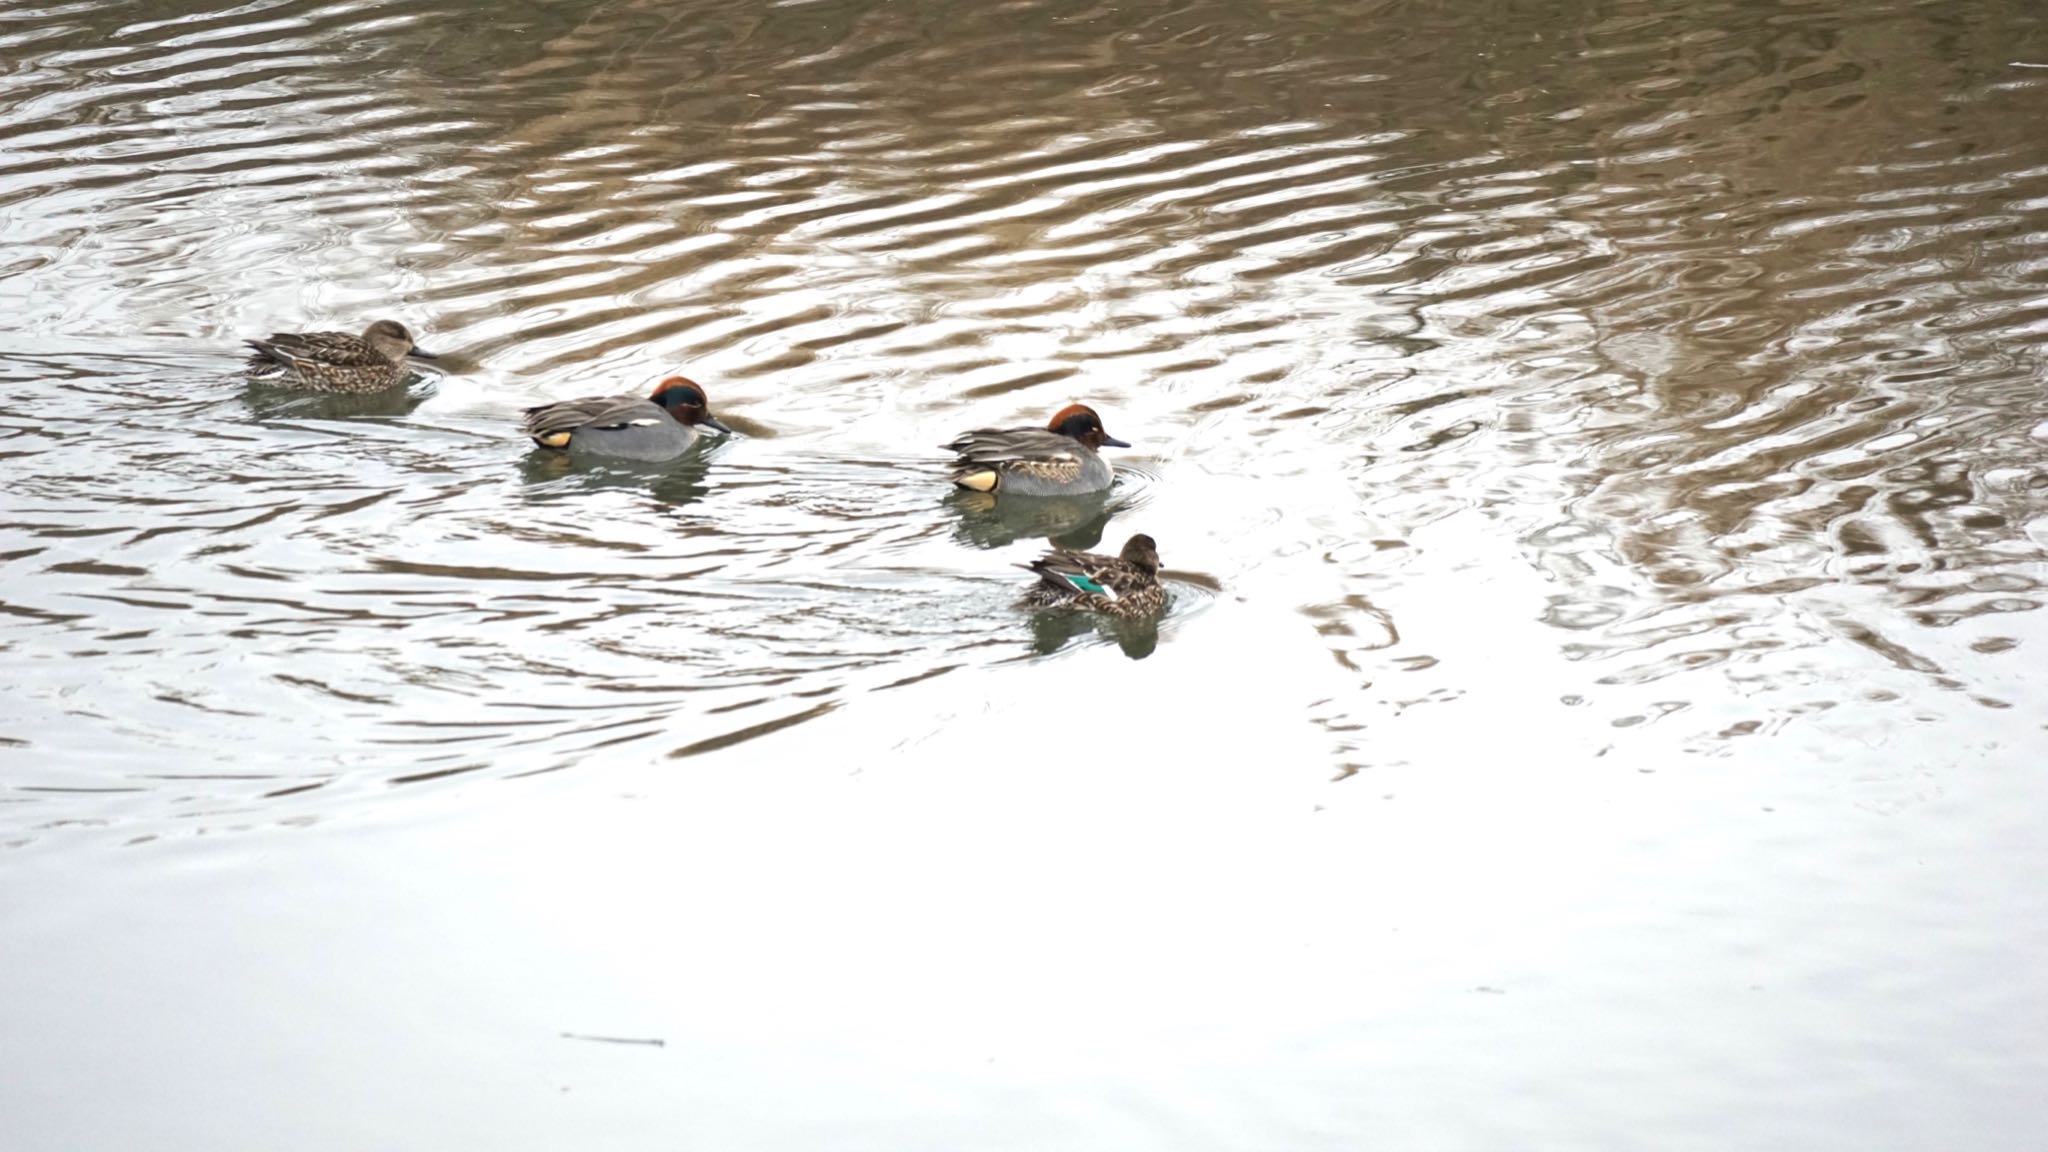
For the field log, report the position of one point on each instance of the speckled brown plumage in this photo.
(337, 361)
(1125, 585)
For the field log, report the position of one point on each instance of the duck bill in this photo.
(710, 421)
(1109, 441)
(422, 354)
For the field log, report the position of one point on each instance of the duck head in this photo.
(1079, 422)
(390, 339)
(1142, 553)
(685, 400)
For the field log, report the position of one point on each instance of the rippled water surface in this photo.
(1599, 451)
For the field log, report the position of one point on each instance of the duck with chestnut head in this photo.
(659, 426)
(1057, 460)
(337, 361)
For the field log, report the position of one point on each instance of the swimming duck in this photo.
(1125, 585)
(661, 426)
(337, 361)
(1056, 460)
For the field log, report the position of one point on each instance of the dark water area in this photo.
(1599, 452)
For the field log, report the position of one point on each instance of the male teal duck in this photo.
(661, 426)
(1125, 585)
(1056, 460)
(337, 361)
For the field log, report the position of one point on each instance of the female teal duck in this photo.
(1125, 585)
(1056, 460)
(337, 361)
(629, 427)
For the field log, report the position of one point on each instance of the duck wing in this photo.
(591, 412)
(981, 456)
(1080, 574)
(292, 349)
(985, 446)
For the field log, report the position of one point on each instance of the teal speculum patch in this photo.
(1087, 585)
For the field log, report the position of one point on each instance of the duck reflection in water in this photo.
(1074, 523)
(269, 400)
(551, 476)
(1052, 631)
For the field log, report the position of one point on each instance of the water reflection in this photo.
(1053, 629)
(1609, 438)
(1682, 351)
(1071, 522)
(557, 477)
(267, 401)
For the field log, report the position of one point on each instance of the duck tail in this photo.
(265, 359)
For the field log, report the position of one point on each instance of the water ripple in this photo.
(1689, 338)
